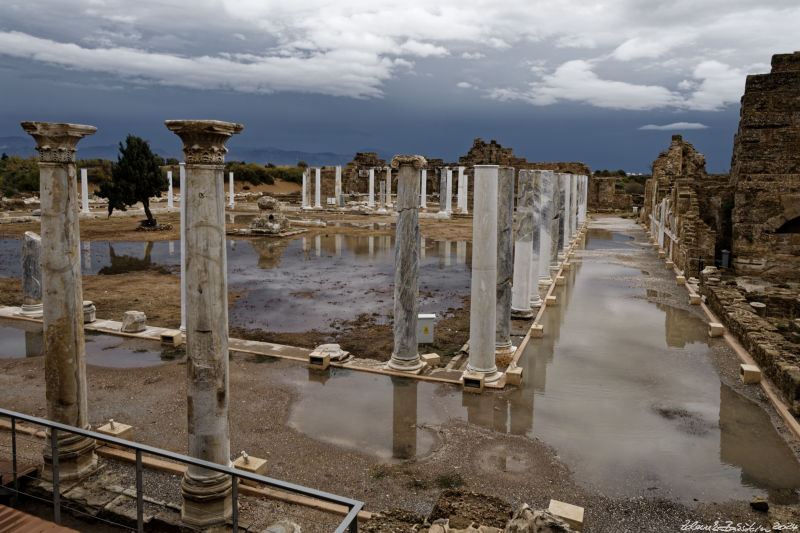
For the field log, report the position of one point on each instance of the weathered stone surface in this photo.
(133, 322)
(523, 248)
(526, 520)
(31, 274)
(505, 258)
(765, 174)
(463, 508)
(268, 203)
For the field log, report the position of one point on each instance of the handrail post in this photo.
(353, 524)
(139, 495)
(54, 465)
(235, 502)
(14, 460)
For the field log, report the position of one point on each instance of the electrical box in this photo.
(425, 328)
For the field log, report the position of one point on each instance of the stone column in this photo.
(317, 183)
(505, 260)
(573, 205)
(337, 185)
(449, 204)
(371, 200)
(303, 203)
(206, 494)
(565, 188)
(442, 190)
(423, 185)
(388, 199)
(535, 298)
(405, 356)
(169, 190)
(84, 191)
(558, 219)
(546, 227)
(182, 183)
(230, 186)
(523, 237)
(483, 310)
(382, 197)
(31, 275)
(463, 182)
(62, 295)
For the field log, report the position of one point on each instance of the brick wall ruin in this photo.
(765, 174)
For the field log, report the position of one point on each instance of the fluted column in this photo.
(423, 184)
(406, 263)
(483, 310)
(206, 494)
(520, 293)
(546, 227)
(62, 295)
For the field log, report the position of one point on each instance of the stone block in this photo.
(559, 280)
(715, 329)
(514, 376)
(694, 299)
(172, 337)
(133, 322)
(566, 266)
(680, 280)
(252, 465)
(669, 264)
(749, 373)
(319, 361)
(537, 331)
(551, 301)
(431, 359)
(115, 429)
(334, 351)
(571, 514)
(656, 246)
(472, 382)
(662, 254)
(89, 312)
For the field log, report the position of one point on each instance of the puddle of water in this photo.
(122, 352)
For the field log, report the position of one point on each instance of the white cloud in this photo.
(464, 85)
(472, 55)
(675, 126)
(720, 84)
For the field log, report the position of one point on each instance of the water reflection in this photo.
(123, 263)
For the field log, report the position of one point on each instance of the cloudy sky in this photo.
(604, 82)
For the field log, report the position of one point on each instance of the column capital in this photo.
(417, 161)
(204, 140)
(55, 141)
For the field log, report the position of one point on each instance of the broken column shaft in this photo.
(62, 295)
(31, 275)
(206, 494)
(521, 290)
(405, 356)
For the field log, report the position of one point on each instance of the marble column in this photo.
(442, 190)
(573, 206)
(337, 186)
(523, 237)
(206, 494)
(535, 298)
(62, 296)
(505, 260)
(405, 356)
(388, 201)
(230, 186)
(317, 191)
(182, 183)
(584, 196)
(483, 310)
(449, 204)
(31, 275)
(169, 190)
(546, 227)
(565, 188)
(84, 191)
(371, 200)
(304, 193)
(423, 185)
(463, 192)
(558, 220)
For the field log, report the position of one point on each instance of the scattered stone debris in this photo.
(759, 503)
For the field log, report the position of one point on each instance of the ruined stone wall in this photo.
(601, 192)
(765, 174)
(355, 176)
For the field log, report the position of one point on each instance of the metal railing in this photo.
(349, 523)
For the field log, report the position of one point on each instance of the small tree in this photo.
(135, 177)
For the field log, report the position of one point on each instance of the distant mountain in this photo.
(24, 146)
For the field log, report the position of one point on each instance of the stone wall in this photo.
(765, 174)
(355, 176)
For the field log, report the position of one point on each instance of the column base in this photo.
(489, 376)
(306, 207)
(521, 313)
(76, 458)
(206, 501)
(443, 215)
(545, 281)
(537, 302)
(505, 350)
(31, 310)
(403, 365)
(382, 210)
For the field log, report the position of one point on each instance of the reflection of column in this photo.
(423, 185)
(545, 227)
(172, 248)
(230, 185)
(523, 263)
(449, 204)
(84, 191)
(406, 264)
(422, 247)
(34, 343)
(447, 250)
(317, 245)
(169, 190)
(62, 295)
(183, 243)
(31, 275)
(317, 183)
(87, 255)
(404, 411)
(483, 311)
(441, 254)
(206, 494)
(337, 242)
(461, 252)
(371, 200)
(505, 260)
(371, 240)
